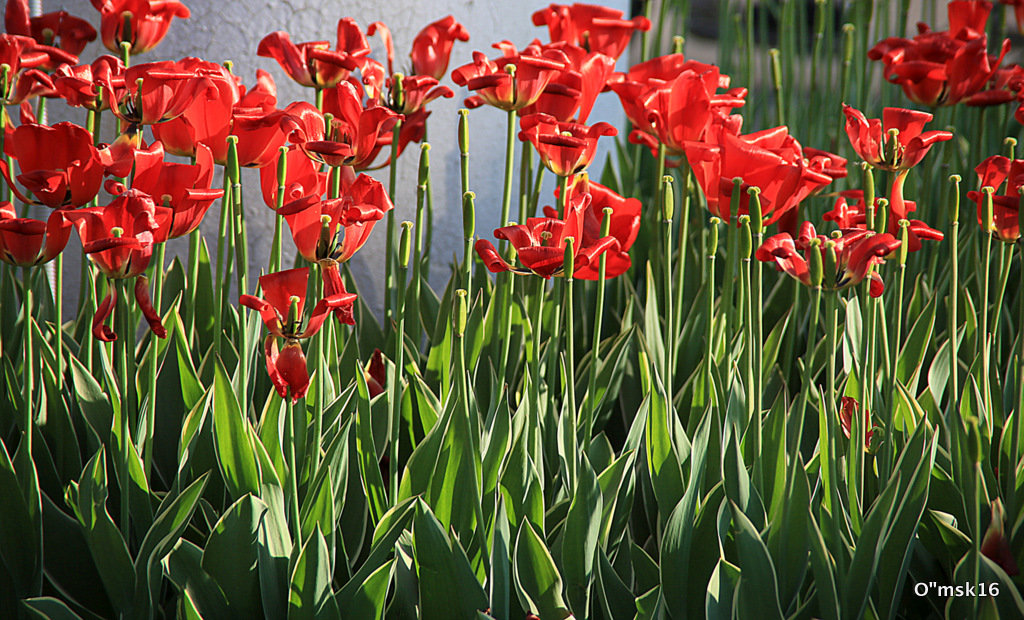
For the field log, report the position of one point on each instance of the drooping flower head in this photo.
(356, 133)
(855, 253)
(81, 86)
(848, 408)
(281, 309)
(142, 23)
(624, 226)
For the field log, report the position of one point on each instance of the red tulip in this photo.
(571, 93)
(565, 148)
(183, 188)
(432, 47)
(995, 546)
(595, 28)
(896, 142)
(156, 92)
(994, 172)
(81, 86)
(59, 165)
(70, 34)
(847, 409)
(847, 215)
(771, 160)
(316, 225)
(25, 58)
(356, 133)
(142, 23)
(314, 64)
(205, 119)
(26, 242)
(534, 68)
(943, 68)
(624, 228)
(856, 252)
(540, 243)
(281, 309)
(119, 240)
(302, 178)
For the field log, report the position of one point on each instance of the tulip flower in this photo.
(594, 28)
(496, 86)
(995, 546)
(943, 68)
(81, 85)
(314, 64)
(142, 23)
(432, 47)
(281, 309)
(895, 143)
(847, 215)
(156, 92)
(59, 165)
(848, 407)
(183, 188)
(302, 179)
(58, 28)
(856, 251)
(571, 93)
(565, 148)
(26, 57)
(540, 244)
(624, 227)
(25, 242)
(994, 172)
(375, 374)
(771, 160)
(356, 133)
(118, 238)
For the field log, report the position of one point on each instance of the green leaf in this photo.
(372, 594)
(48, 608)
(19, 533)
(579, 539)
(616, 599)
(373, 483)
(311, 595)
(235, 454)
(183, 566)
(231, 555)
(448, 586)
(536, 576)
(93, 401)
(722, 588)
(663, 464)
(758, 591)
(908, 366)
(824, 571)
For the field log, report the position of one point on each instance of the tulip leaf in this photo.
(536, 576)
(758, 591)
(580, 538)
(914, 348)
(233, 439)
(311, 595)
(373, 482)
(231, 555)
(48, 608)
(372, 594)
(448, 586)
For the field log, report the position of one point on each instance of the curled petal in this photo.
(146, 305)
(291, 367)
(270, 355)
(106, 308)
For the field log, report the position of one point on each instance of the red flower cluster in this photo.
(947, 67)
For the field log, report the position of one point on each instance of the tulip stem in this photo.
(525, 174)
(58, 310)
(709, 308)
(570, 350)
(954, 298)
(125, 349)
(394, 387)
(826, 447)
(289, 452)
(223, 265)
(1005, 256)
(194, 239)
(1015, 424)
(510, 155)
(667, 209)
(808, 381)
(158, 284)
(389, 241)
(29, 378)
(595, 343)
(985, 341)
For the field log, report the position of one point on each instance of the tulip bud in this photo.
(955, 180)
(424, 164)
(461, 312)
(904, 240)
(892, 154)
(814, 256)
(1011, 146)
(234, 172)
(606, 221)
(677, 44)
(464, 131)
(713, 236)
(746, 243)
(668, 198)
(569, 260)
(756, 218)
(405, 245)
(468, 215)
(869, 193)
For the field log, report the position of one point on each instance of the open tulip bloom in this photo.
(142, 24)
(25, 242)
(897, 142)
(594, 28)
(565, 148)
(315, 64)
(498, 87)
(281, 309)
(856, 252)
(994, 172)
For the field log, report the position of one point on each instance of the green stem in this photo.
(510, 137)
(125, 348)
(595, 343)
(954, 298)
(570, 340)
(827, 431)
(158, 284)
(984, 335)
(667, 209)
(29, 376)
(58, 309)
(394, 393)
(223, 265)
(293, 467)
(389, 249)
(709, 311)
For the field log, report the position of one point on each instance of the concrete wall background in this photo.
(219, 31)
